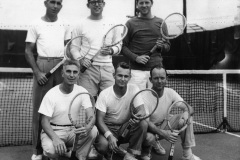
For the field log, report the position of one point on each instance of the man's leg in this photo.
(139, 78)
(84, 144)
(90, 80)
(106, 74)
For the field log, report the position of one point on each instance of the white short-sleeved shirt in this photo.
(117, 109)
(55, 104)
(49, 37)
(168, 98)
(94, 31)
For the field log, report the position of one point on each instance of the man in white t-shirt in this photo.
(113, 112)
(48, 34)
(58, 133)
(98, 74)
(157, 123)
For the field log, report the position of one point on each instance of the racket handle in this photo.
(48, 75)
(171, 152)
(83, 69)
(152, 50)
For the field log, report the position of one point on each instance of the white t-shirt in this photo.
(49, 37)
(169, 97)
(117, 109)
(55, 104)
(94, 31)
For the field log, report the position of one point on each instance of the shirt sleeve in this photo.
(47, 106)
(101, 103)
(175, 96)
(31, 35)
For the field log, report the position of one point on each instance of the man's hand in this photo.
(59, 146)
(82, 131)
(170, 136)
(85, 62)
(106, 51)
(41, 78)
(143, 59)
(160, 43)
(112, 142)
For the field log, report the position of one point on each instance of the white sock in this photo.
(187, 152)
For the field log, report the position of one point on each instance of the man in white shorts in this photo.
(113, 112)
(157, 123)
(58, 133)
(98, 74)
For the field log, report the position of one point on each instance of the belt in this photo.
(49, 58)
(67, 125)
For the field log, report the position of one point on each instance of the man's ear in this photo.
(88, 5)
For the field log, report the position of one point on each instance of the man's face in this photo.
(96, 7)
(122, 76)
(158, 79)
(70, 74)
(144, 6)
(53, 6)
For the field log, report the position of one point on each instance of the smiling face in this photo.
(53, 7)
(96, 7)
(158, 79)
(70, 74)
(122, 76)
(144, 7)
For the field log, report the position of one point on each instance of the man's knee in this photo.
(49, 151)
(150, 138)
(93, 133)
(101, 144)
(143, 125)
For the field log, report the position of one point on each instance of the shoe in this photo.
(146, 157)
(93, 154)
(36, 157)
(157, 147)
(129, 156)
(192, 157)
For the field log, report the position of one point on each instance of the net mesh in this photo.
(204, 92)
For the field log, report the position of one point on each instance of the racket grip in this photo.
(48, 75)
(152, 50)
(83, 69)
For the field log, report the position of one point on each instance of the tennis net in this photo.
(214, 95)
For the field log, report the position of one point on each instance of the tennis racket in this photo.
(172, 27)
(74, 43)
(109, 41)
(147, 97)
(77, 114)
(178, 107)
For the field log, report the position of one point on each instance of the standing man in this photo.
(58, 133)
(113, 113)
(143, 35)
(48, 34)
(98, 74)
(158, 124)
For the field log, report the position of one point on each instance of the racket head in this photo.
(149, 98)
(173, 25)
(115, 35)
(175, 109)
(77, 112)
(79, 43)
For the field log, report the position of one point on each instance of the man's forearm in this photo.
(31, 61)
(126, 51)
(152, 128)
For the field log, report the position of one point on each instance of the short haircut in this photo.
(160, 66)
(123, 65)
(138, 0)
(71, 62)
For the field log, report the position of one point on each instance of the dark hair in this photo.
(160, 66)
(123, 65)
(98, 0)
(138, 0)
(71, 62)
